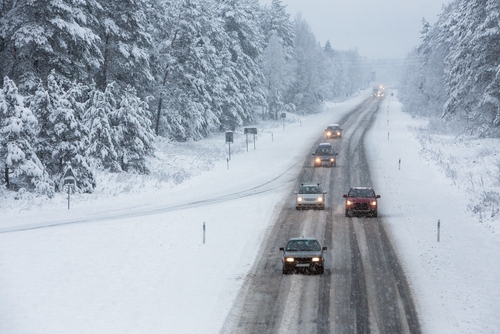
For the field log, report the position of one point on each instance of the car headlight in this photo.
(289, 259)
(338, 133)
(332, 159)
(328, 133)
(320, 199)
(316, 259)
(373, 203)
(317, 160)
(299, 199)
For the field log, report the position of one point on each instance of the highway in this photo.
(363, 289)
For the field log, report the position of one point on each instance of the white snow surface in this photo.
(131, 257)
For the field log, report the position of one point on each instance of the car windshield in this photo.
(334, 127)
(302, 246)
(310, 190)
(324, 151)
(361, 193)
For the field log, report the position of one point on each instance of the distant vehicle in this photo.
(361, 201)
(310, 196)
(303, 254)
(325, 155)
(333, 131)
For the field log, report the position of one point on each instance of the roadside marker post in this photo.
(438, 229)
(204, 232)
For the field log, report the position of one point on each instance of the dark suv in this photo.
(333, 131)
(324, 155)
(361, 201)
(303, 254)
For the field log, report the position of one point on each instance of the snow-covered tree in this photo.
(101, 106)
(276, 21)
(65, 137)
(245, 43)
(277, 75)
(307, 91)
(41, 36)
(125, 43)
(132, 132)
(18, 130)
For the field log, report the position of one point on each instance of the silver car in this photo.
(310, 196)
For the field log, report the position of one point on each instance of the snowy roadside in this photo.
(425, 178)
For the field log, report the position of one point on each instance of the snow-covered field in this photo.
(132, 257)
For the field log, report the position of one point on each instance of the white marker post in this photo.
(203, 232)
(439, 227)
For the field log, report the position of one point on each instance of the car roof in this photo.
(362, 188)
(302, 238)
(334, 124)
(325, 144)
(310, 184)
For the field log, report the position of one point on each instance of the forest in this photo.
(453, 76)
(93, 84)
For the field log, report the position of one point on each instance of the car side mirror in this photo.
(295, 192)
(345, 195)
(313, 154)
(325, 248)
(336, 154)
(324, 192)
(282, 248)
(378, 196)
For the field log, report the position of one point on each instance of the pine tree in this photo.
(41, 36)
(68, 139)
(125, 43)
(101, 106)
(132, 132)
(18, 130)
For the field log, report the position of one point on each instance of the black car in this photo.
(304, 254)
(333, 131)
(325, 155)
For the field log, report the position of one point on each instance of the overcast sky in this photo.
(377, 28)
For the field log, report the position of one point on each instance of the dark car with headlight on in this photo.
(325, 155)
(361, 201)
(310, 196)
(303, 254)
(333, 131)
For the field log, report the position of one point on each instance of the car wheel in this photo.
(347, 213)
(321, 270)
(285, 271)
(297, 208)
(322, 207)
(375, 214)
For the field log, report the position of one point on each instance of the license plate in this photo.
(302, 265)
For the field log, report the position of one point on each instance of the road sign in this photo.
(283, 115)
(229, 136)
(250, 130)
(69, 177)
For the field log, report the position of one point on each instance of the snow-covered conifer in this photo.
(18, 130)
(97, 118)
(132, 132)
